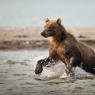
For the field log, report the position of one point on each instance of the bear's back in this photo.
(87, 54)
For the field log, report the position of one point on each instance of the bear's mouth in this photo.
(45, 36)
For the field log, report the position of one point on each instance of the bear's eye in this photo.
(51, 29)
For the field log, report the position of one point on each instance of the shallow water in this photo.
(17, 76)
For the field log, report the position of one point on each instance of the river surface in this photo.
(17, 76)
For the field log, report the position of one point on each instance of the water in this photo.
(17, 76)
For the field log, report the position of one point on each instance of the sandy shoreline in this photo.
(33, 44)
(30, 38)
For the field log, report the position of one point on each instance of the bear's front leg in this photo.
(46, 61)
(43, 62)
(38, 68)
(74, 61)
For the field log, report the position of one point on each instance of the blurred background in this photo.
(21, 21)
(80, 13)
(21, 45)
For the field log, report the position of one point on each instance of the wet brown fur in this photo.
(63, 45)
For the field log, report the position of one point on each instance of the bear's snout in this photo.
(42, 33)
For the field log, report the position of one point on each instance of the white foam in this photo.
(57, 71)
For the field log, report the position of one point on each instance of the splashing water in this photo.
(17, 76)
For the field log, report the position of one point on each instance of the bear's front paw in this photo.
(38, 68)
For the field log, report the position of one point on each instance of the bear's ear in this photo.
(58, 21)
(46, 19)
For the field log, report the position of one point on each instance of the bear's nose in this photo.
(42, 33)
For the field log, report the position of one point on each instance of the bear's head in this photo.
(51, 27)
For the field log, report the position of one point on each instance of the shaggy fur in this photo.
(64, 47)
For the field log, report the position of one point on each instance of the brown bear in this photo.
(65, 47)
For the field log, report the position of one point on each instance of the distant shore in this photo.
(30, 38)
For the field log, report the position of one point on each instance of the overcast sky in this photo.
(32, 12)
